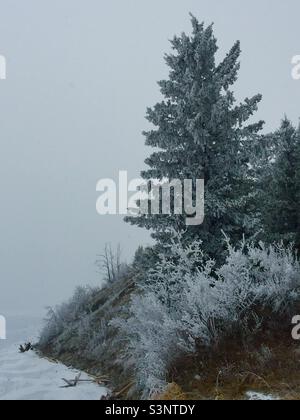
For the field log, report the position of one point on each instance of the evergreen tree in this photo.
(201, 133)
(281, 199)
(144, 260)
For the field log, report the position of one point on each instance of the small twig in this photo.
(123, 390)
(218, 382)
(259, 378)
(77, 379)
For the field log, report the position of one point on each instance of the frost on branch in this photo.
(186, 302)
(66, 316)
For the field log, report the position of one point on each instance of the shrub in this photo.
(186, 301)
(66, 315)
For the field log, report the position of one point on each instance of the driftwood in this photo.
(71, 383)
(25, 348)
(74, 382)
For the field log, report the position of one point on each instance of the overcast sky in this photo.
(80, 76)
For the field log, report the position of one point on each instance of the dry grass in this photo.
(172, 393)
(270, 365)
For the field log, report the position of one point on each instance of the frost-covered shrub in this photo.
(66, 316)
(51, 329)
(186, 301)
(278, 274)
(268, 276)
(152, 341)
(97, 340)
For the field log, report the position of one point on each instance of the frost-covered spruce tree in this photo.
(201, 133)
(281, 200)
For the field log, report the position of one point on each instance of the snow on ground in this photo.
(28, 377)
(257, 396)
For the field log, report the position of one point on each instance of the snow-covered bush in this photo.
(97, 340)
(151, 335)
(186, 301)
(66, 315)
(51, 329)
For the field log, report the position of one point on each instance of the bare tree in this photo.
(110, 263)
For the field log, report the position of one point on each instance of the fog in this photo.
(80, 75)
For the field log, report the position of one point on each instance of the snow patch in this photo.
(257, 396)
